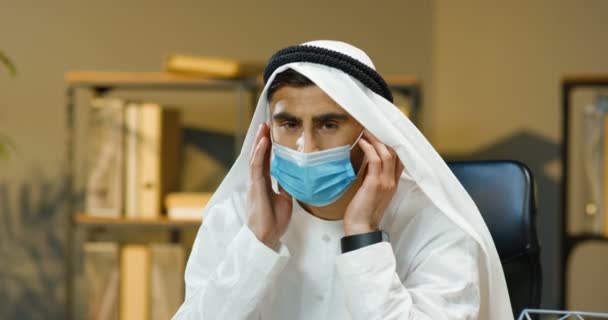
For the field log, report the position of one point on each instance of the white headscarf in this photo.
(422, 163)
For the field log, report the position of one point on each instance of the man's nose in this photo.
(307, 142)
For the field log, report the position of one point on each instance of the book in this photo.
(134, 284)
(153, 142)
(167, 263)
(187, 205)
(213, 67)
(102, 280)
(152, 280)
(149, 162)
(132, 162)
(105, 157)
(158, 150)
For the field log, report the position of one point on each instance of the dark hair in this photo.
(289, 78)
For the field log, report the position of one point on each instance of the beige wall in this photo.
(496, 68)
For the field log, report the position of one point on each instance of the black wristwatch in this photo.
(358, 241)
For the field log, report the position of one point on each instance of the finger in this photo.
(387, 156)
(258, 136)
(266, 166)
(389, 160)
(257, 161)
(373, 160)
(283, 194)
(372, 138)
(398, 170)
(363, 167)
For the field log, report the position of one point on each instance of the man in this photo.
(338, 208)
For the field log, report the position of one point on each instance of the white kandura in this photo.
(441, 262)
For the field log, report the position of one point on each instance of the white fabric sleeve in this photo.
(229, 269)
(441, 283)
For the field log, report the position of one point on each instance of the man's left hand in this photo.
(384, 168)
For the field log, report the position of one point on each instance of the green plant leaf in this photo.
(6, 61)
(6, 145)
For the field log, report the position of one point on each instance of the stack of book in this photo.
(212, 67)
(133, 281)
(186, 205)
(132, 172)
(133, 158)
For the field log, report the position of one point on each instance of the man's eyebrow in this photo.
(330, 116)
(284, 116)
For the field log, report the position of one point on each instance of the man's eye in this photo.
(289, 125)
(330, 126)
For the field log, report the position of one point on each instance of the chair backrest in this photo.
(504, 192)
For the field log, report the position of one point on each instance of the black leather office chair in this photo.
(504, 192)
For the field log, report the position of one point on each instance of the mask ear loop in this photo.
(362, 167)
(356, 141)
(364, 162)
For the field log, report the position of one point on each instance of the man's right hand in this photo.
(268, 213)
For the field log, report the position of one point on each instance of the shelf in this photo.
(109, 79)
(401, 80)
(166, 79)
(585, 78)
(81, 225)
(86, 220)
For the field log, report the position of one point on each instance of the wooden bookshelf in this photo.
(575, 79)
(112, 79)
(83, 226)
(402, 80)
(164, 80)
(87, 220)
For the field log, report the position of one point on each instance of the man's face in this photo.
(307, 119)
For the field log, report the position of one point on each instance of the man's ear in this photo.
(362, 168)
(357, 157)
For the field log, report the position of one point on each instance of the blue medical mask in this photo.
(316, 178)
